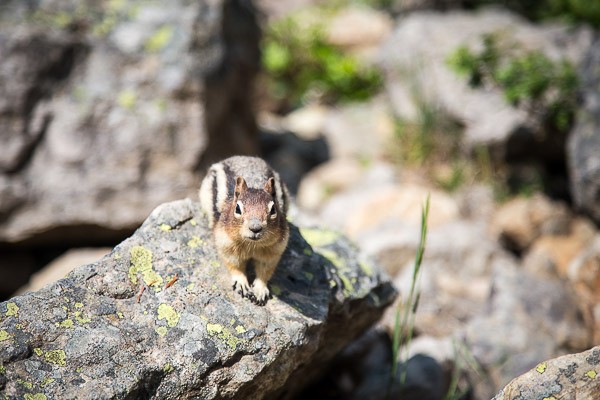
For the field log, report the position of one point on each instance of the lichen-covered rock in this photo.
(570, 377)
(109, 107)
(96, 334)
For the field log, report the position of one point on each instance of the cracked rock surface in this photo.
(98, 334)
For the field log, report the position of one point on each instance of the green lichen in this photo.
(309, 275)
(159, 39)
(319, 237)
(366, 268)
(35, 396)
(12, 309)
(213, 329)
(161, 330)
(169, 314)
(81, 318)
(4, 336)
(308, 251)
(333, 257)
(127, 99)
(47, 381)
(67, 323)
(276, 290)
(141, 263)
(165, 227)
(57, 357)
(195, 241)
(223, 334)
(167, 368)
(591, 374)
(541, 368)
(2, 369)
(27, 385)
(120, 314)
(240, 329)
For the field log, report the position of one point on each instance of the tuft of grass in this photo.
(406, 311)
(301, 65)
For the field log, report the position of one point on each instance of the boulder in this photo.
(99, 333)
(584, 141)
(570, 377)
(109, 108)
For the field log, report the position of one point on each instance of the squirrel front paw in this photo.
(241, 285)
(261, 292)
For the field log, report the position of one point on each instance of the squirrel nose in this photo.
(255, 226)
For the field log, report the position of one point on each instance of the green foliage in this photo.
(528, 79)
(405, 313)
(300, 63)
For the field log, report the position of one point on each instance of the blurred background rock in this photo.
(109, 108)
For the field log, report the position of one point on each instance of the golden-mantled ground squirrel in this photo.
(246, 203)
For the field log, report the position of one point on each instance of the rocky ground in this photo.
(506, 283)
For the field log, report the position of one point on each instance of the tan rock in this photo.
(520, 221)
(402, 203)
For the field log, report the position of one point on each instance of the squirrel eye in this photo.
(238, 209)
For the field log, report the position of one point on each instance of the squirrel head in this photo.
(255, 211)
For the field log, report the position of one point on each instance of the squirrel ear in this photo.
(240, 186)
(270, 186)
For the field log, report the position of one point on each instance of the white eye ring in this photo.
(239, 209)
(272, 210)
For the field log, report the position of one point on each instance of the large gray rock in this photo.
(417, 75)
(584, 142)
(570, 377)
(92, 335)
(109, 108)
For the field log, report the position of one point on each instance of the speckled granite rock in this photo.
(570, 377)
(88, 336)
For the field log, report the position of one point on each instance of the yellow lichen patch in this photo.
(550, 398)
(214, 328)
(240, 329)
(27, 385)
(161, 330)
(12, 309)
(47, 381)
(57, 357)
(169, 314)
(2, 369)
(81, 318)
(168, 368)
(67, 323)
(126, 99)
(276, 290)
(195, 241)
(36, 396)
(309, 275)
(541, 368)
(223, 334)
(190, 287)
(78, 305)
(120, 314)
(319, 237)
(38, 351)
(591, 374)
(117, 256)
(141, 263)
(193, 222)
(307, 251)
(159, 39)
(366, 268)
(165, 227)
(4, 336)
